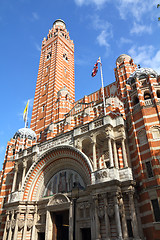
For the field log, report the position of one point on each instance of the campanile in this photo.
(56, 73)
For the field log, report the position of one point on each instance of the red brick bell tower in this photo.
(56, 72)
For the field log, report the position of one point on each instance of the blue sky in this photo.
(105, 28)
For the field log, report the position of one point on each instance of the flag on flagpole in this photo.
(25, 113)
(95, 69)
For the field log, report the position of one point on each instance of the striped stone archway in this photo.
(49, 163)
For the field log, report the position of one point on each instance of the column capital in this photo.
(24, 163)
(16, 166)
(116, 195)
(78, 144)
(95, 197)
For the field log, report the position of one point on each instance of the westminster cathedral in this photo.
(86, 169)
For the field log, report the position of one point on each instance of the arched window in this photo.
(147, 96)
(95, 112)
(99, 110)
(79, 119)
(135, 100)
(57, 128)
(40, 135)
(61, 127)
(75, 121)
(13, 151)
(158, 93)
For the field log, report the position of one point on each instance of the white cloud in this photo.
(139, 28)
(124, 40)
(136, 8)
(2, 148)
(35, 16)
(38, 47)
(101, 24)
(98, 3)
(146, 56)
(106, 32)
(102, 39)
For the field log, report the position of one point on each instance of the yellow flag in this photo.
(25, 112)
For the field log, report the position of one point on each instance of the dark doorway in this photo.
(61, 225)
(86, 233)
(41, 236)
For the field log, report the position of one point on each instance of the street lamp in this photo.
(74, 196)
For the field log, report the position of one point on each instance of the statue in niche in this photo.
(54, 185)
(62, 187)
(77, 182)
(70, 181)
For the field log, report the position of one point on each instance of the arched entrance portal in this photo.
(59, 220)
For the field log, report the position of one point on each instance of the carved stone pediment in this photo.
(58, 199)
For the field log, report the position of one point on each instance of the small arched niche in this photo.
(155, 132)
(147, 95)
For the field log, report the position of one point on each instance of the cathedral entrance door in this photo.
(60, 225)
(86, 233)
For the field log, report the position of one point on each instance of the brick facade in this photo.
(114, 158)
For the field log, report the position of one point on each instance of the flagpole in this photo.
(104, 104)
(26, 115)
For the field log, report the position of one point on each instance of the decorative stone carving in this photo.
(120, 208)
(87, 205)
(13, 223)
(20, 223)
(110, 210)
(101, 212)
(8, 225)
(29, 223)
(81, 206)
(58, 199)
(100, 175)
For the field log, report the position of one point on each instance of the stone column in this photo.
(123, 217)
(24, 170)
(107, 223)
(49, 226)
(128, 154)
(94, 156)
(117, 218)
(133, 215)
(25, 225)
(99, 159)
(115, 155)
(97, 223)
(71, 212)
(124, 153)
(15, 177)
(10, 229)
(110, 152)
(5, 229)
(34, 231)
(16, 227)
(79, 145)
